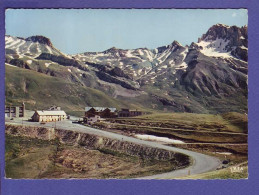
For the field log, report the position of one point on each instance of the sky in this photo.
(83, 30)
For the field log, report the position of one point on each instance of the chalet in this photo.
(124, 113)
(103, 112)
(49, 115)
(15, 111)
(129, 113)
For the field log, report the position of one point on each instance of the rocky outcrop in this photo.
(10, 51)
(115, 52)
(116, 71)
(40, 39)
(173, 46)
(240, 52)
(62, 60)
(236, 36)
(237, 39)
(30, 131)
(171, 103)
(58, 59)
(95, 142)
(108, 78)
(19, 63)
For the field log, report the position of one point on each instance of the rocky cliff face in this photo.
(94, 142)
(59, 59)
(229, 39)
(236, 36)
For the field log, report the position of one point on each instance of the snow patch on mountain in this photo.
(29, 62)
(140, 52)
(163, 56)
(184, 53)
(243, 47)
(15, 42)
(182, 66)
(49, 50)
(28, 48)
(149, 55)
(11, 65)
(129, 54)
(215, 48)
(47, 64)
(8, 40)
(171, 62)
(163, 67)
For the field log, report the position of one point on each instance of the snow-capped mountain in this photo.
(207, 76)
(32, 46)
(138, 62)
(225, 41)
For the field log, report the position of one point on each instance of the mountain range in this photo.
(209, 76)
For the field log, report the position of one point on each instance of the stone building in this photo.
(49, 115)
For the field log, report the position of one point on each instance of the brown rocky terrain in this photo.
(68, 154)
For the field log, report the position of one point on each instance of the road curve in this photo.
(201, 162)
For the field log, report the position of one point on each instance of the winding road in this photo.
(201, 162)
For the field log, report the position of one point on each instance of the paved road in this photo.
(201, 162)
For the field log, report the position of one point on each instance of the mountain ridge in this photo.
(193, 78)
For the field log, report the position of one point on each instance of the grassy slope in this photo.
(188, 127)
(175, 124)
(39, 91)
(34, 158)
(233, 122)
(221, 174)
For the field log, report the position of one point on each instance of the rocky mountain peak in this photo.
(236, 35)
(112, 50)
(40, 39)
(173, 46)
(175, 43)
(226, 39)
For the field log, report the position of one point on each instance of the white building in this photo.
(92, 120)
(49, 115)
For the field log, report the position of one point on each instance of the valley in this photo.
(193, 99)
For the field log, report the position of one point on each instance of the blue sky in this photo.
(80, 30)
